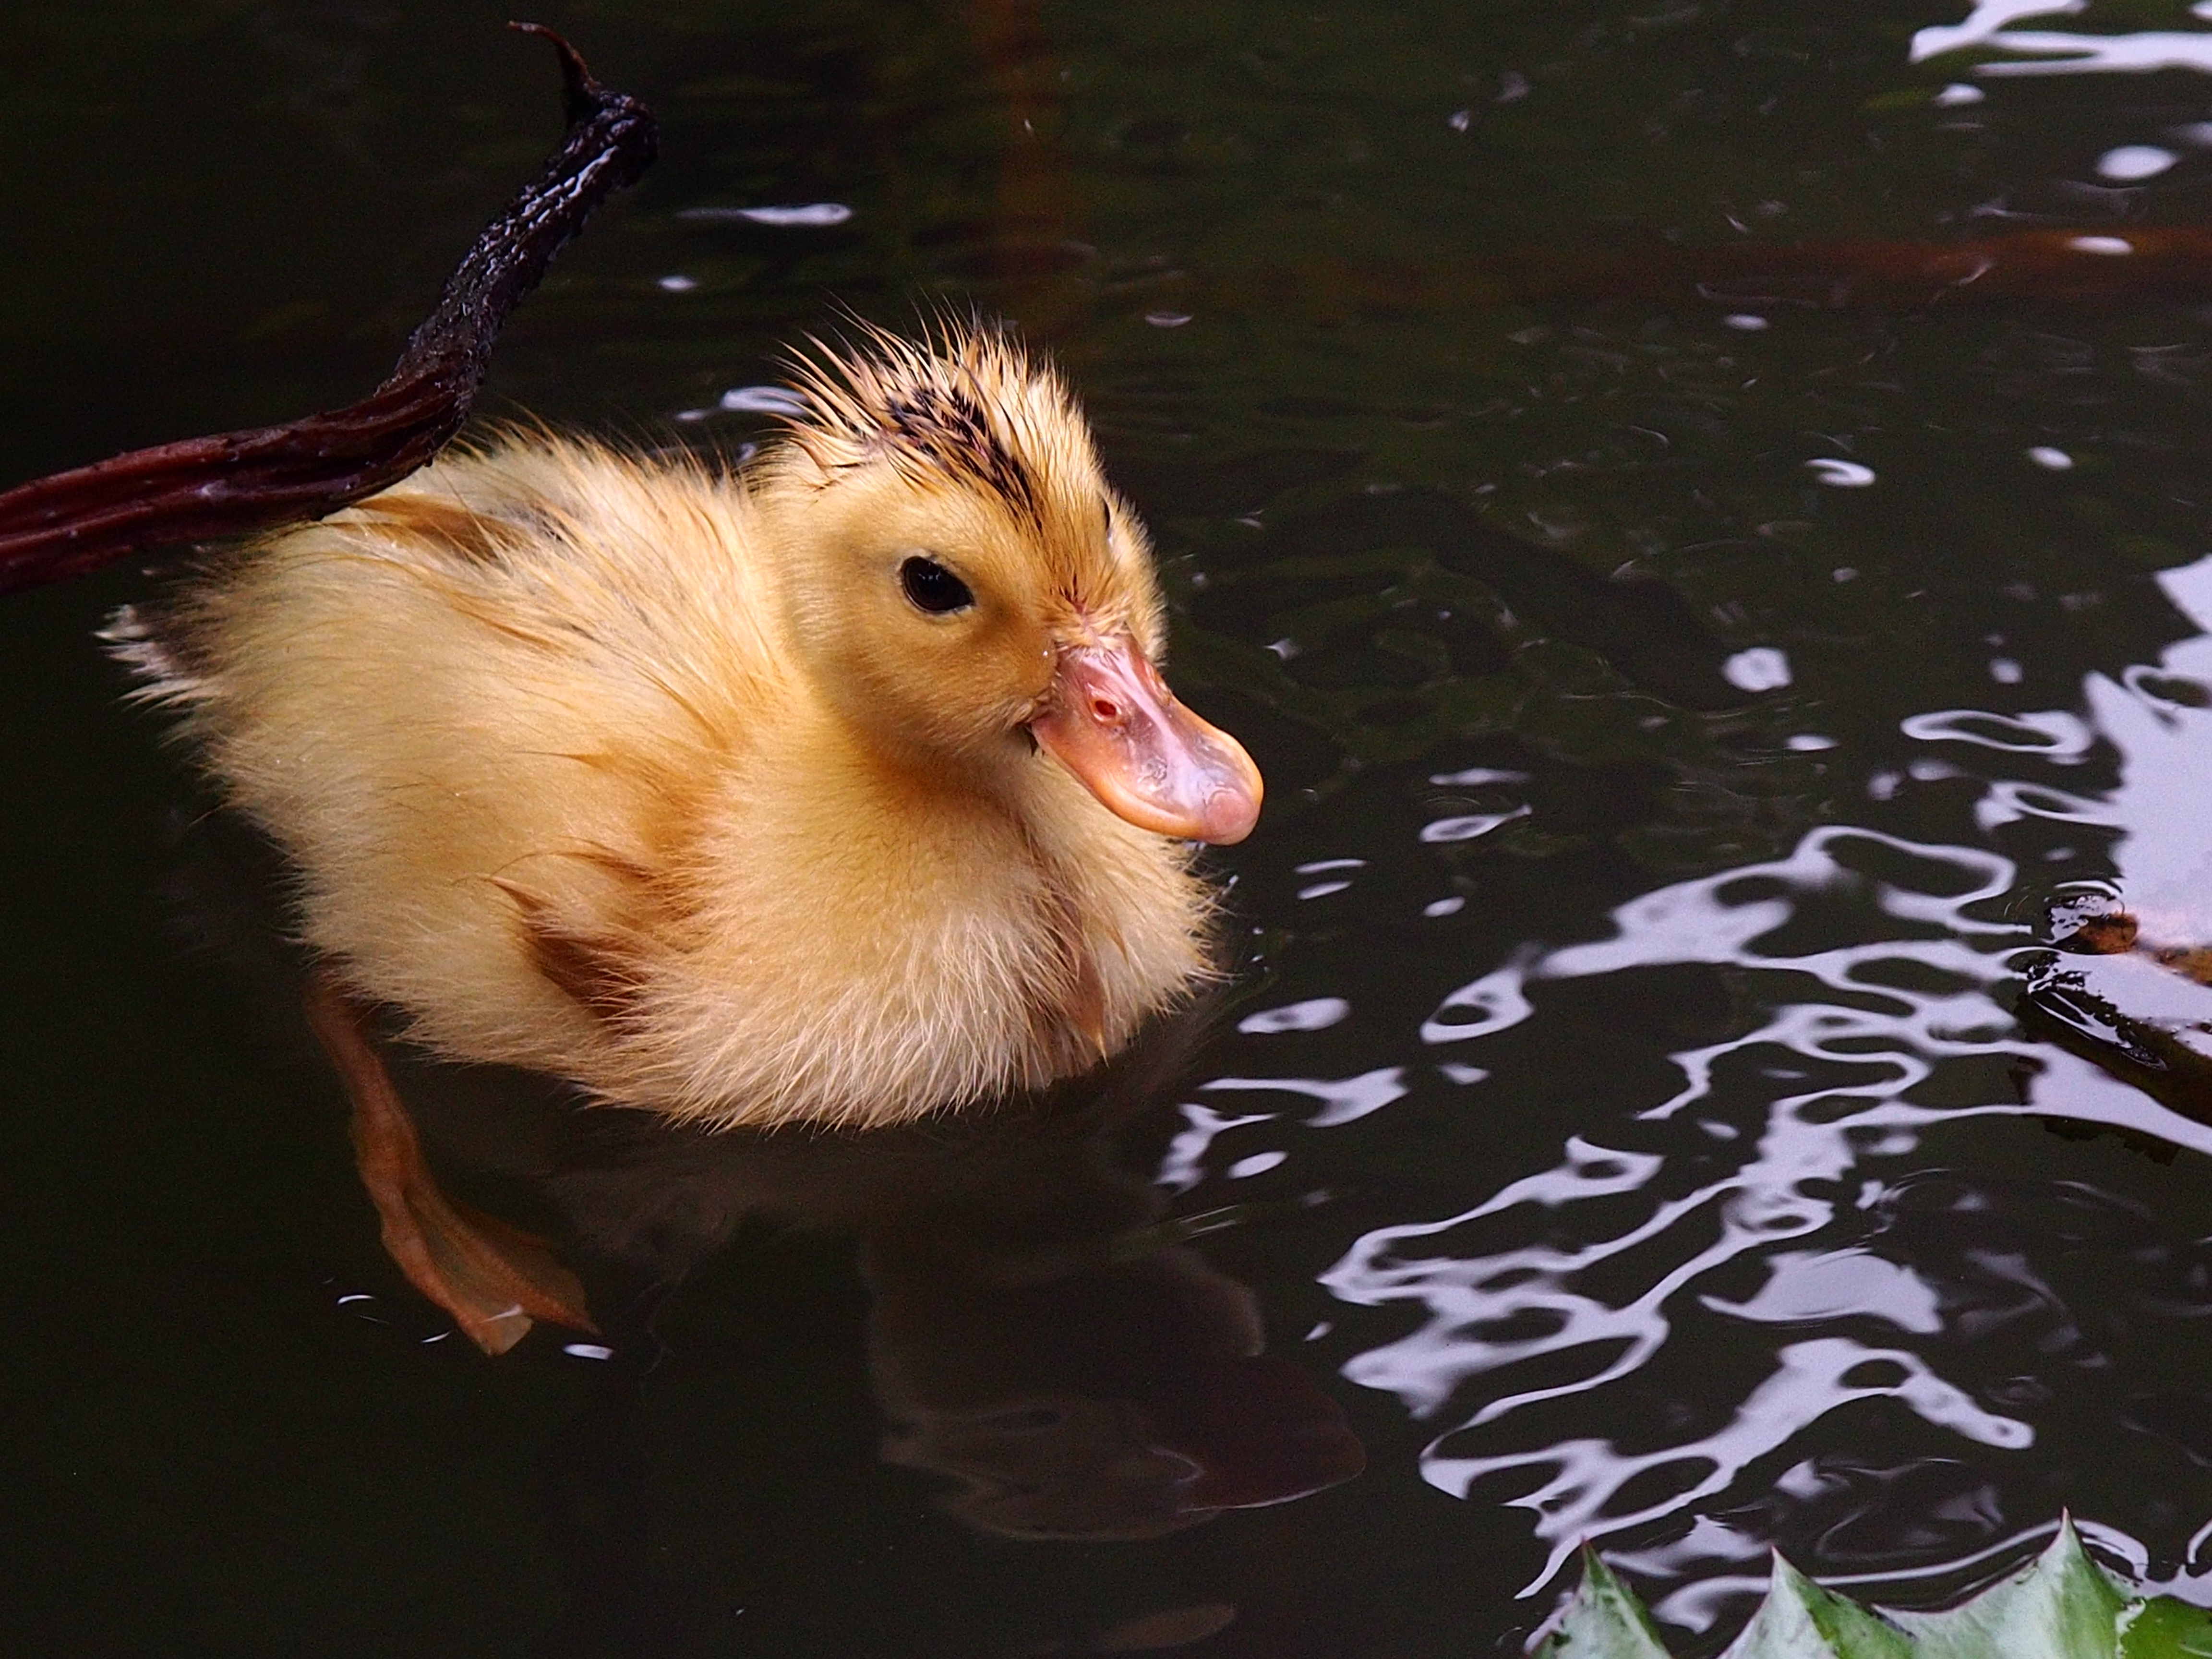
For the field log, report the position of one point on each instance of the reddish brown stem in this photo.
(199, 489)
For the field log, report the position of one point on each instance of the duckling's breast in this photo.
(866, 946)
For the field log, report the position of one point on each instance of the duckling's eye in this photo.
(933, 587)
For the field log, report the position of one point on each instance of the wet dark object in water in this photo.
(2100, 930)
(197, 488)
(2061, 1005)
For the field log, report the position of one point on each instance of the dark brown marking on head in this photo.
(964, 406)
(945, 427)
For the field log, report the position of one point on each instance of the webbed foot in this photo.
(494, 1277)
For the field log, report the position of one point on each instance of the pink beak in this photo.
(1112, 721)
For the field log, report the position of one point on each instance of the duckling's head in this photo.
(965, 587)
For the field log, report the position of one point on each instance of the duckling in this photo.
(840, 791)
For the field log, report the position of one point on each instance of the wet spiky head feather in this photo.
(965, 406)
(962, 414)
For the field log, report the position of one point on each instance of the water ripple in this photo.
(1878, 972)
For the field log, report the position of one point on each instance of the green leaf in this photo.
(1603, 1621)
(2061, 1606)
(2163, 1628)
(1800, 1620)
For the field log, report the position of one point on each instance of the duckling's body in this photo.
(695, 788)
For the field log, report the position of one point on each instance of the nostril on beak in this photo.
(1108, 712)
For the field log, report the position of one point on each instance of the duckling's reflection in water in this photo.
(1036, 1329)
(1122, 1398)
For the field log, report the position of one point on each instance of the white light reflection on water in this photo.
(1888, 1023)
(1841, 475)
(1989, 27)
(1700, 1606)
(2132, 163)
(1989, 17)
(1344, 1102)
(1314, 1014)
(1813, 1379)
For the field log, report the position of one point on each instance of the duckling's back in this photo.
(483, 695)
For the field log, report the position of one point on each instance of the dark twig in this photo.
(200, 488)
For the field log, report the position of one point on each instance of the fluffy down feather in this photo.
(652, 776)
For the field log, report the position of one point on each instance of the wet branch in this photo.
(199, 489)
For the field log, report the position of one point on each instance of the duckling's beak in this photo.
(1111, 720)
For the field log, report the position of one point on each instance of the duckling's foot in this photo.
(493, 1277)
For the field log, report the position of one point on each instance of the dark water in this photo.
(1632, 1120)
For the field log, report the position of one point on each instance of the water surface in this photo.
(1650, 1110)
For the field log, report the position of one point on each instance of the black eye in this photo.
(933, 587)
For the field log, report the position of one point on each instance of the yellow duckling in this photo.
(844, 791)
(841, 790)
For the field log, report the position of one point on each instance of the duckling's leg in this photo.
(494, 1278)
